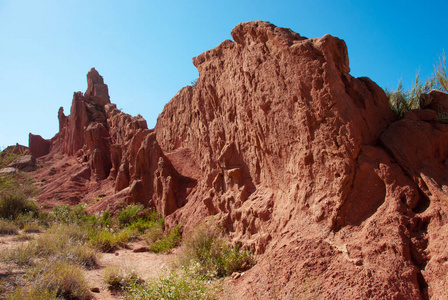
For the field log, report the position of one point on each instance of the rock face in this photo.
(302, 163)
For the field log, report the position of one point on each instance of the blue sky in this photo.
(144, 49)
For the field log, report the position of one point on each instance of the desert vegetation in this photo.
(401, 100)
(58, 245)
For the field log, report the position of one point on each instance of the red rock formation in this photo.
(301, 163)
(38, 146)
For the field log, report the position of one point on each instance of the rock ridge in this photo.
(299, 161)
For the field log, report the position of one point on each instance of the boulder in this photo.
(436, 100)
(24, 163)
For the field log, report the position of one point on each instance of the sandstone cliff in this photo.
(302, 163)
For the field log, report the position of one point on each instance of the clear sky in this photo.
(144, 49)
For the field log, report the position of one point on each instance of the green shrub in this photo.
(105, 219)
(168, 241)
(129, 214)
(108, 240)
(104, 240)
(207, 253)
(68, 214)
(144, 225)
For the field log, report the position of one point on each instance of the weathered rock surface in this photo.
(302, 163)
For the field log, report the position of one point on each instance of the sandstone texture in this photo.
(300, 162)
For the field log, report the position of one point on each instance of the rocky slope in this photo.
(301, 163)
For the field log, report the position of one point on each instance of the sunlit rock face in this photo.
(300, 162)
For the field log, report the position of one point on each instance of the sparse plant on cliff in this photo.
(440, 71)
(402, 101)
(70, 214)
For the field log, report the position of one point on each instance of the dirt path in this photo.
(147, 265)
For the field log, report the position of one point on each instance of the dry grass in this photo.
(59, 242)
(8, 228)
(440, 72)
(53, 279)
